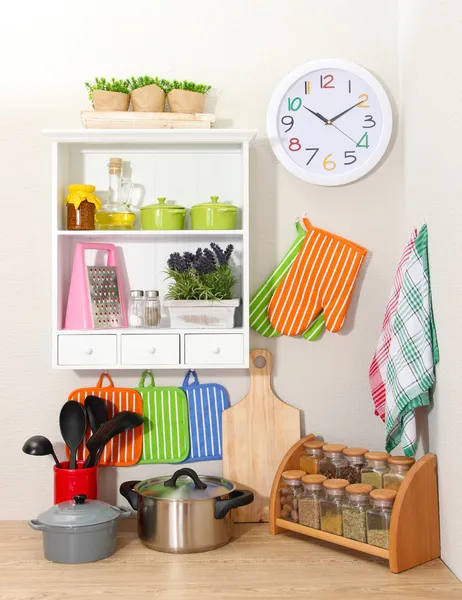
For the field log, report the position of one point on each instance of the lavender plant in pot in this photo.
(186, 96)
(148, 93)
(113, 95)
(201, 293)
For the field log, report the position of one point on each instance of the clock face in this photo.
(329, 122)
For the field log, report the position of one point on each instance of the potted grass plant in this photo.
(201, 291)
(187, 96)
(109, 95)
(148, 93)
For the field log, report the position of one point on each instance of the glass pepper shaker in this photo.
(136, 309)
(332, 504)
(333, 463)
(354, 511)
(399, 467)
(309, 461)
(289, 494)
(152, 309)
(375, 469)
(355, 462)
(379, 517)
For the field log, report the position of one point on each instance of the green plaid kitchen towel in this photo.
(259, 320)
(413, 351)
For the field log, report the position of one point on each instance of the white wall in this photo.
(432, 118)
(243, 48)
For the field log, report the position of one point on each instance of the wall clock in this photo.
(329, 122)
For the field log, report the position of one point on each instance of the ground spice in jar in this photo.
(81, 207)
(309, 513)
(332, 523)
(378, 537)
(354, 524)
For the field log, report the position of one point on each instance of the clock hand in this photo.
(343, 113)
(345, 134)
(326, 121)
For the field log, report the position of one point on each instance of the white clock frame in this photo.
(272, 122)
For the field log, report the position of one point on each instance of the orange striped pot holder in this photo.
(125, 449)
(321, 279)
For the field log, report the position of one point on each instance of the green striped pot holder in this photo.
(166, 423)
(259, 320)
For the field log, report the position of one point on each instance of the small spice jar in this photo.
(136, 309)
(81, 207)
(355, 462)
(379, 517)
(354, 512)
(332, 504)
(289, 494)
(309, 508)
(309, 462)
(333, 463)
(399, 468)
(375, 469)
(152, 309)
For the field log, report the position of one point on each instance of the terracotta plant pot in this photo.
(183, 101)
(110, 101)
(150, 98)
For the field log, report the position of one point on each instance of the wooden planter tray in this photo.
(414, 536)
(93, 119)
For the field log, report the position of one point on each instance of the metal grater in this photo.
(104, 297)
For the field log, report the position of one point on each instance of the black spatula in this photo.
(73, 423)
(123, 421)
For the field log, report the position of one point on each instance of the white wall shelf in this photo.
(186, 166)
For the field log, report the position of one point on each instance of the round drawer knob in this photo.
(152, 350)
(88, 351)
(216, 350)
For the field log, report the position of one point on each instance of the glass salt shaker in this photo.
(379, 517)
(331, 505)
(152, 309)
(309, 461)
(399, 467)
(309, 508)
(333, 463)
(136, 309)
(375, 469)
(290, 493)
(356, 461)
(354, 512)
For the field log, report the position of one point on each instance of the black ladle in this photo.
(73, 423)
(96, 412)
(39, 445)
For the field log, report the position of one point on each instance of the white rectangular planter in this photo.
(194, 314)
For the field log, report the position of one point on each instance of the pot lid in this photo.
(185, 484)
(161, 205)
(79, 512)
(215, 204)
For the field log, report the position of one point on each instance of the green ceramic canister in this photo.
(213, 215)
(162, 216)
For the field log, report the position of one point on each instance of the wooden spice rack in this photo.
(414, 536)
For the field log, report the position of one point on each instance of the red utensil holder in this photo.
(70, 482)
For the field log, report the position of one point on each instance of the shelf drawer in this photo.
(214, 349)
(146, 349)
(87, 350)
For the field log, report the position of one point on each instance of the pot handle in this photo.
(225, 210)
(36, 525)
(179, 211)
(124, 512)
(236, 499)
(199, 485)
(127, 491)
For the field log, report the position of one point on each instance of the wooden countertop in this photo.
(254, 565)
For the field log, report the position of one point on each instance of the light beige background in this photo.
(243, 48)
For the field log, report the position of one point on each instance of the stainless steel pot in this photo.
(80, 530)
(185, 512)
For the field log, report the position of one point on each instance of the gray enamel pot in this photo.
(80, 530)
(186, 512)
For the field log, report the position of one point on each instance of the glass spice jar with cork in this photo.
(289, 494)
(355, 462)
(151, 309)
(379, 517)
(309, 508)
(81, 203)
(354, 512)
(399, 468)
(375, 469)
(309, 461)
(333, 463)
(332, 504)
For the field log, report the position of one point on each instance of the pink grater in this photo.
(95, 300)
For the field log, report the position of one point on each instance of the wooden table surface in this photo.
(254, 565)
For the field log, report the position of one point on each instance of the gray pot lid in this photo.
(79, 512)
(184, 487)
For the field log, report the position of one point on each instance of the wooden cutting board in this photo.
(257, 433)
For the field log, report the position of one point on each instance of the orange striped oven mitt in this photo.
(321, 279)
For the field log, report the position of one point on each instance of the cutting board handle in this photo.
(260, 357)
